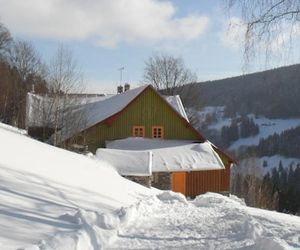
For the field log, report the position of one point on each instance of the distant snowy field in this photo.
(52, 199)
(267, 126)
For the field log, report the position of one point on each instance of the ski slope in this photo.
(52, 199)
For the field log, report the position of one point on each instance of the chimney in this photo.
(126, 87)
(120, 89)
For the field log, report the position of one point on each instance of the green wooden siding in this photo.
(147, 110)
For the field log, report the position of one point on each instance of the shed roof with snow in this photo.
(130, 157)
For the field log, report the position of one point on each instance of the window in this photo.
(158, 132)
(138, 131)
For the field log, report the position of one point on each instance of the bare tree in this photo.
(247, 181)
(26, 66)
(167, 73)
(268, 22)
(65, 78)
(26, 60)
(5, 40)
(65, 75)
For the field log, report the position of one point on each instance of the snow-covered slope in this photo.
(52, 199)
(215, 120)
(267, 127)
(40, 183)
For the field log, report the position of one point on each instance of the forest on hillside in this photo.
(238, 103)
(273, 93)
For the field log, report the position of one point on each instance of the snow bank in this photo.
(13, 129)
(171, 197)
(42, 187)
(212, 221)
(213, 199)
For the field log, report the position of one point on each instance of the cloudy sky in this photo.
(105, 35)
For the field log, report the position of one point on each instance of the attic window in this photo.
(157, 132)
(138, 131)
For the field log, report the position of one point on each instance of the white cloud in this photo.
(105, 22)
(233, 34)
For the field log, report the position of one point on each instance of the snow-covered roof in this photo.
(92, 109)
(99, 111)
(176, 103)
(40, 109)
(168, 155)
(133, 163)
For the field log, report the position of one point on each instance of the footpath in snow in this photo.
(211, 221)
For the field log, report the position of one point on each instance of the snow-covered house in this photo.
(168, 147)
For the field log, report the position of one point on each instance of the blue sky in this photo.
(105, 35)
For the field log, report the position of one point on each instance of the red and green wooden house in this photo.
(143, 112)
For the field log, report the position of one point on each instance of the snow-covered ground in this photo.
(42, 187)
(267, 127)
(211, 221)
(52, 199)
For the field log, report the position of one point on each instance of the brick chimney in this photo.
(126, 86)
(120, 89)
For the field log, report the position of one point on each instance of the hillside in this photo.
(256, 118)
(239, 112)
(53, 199)
(272, 94)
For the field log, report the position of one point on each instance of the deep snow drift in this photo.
(52, 199)
(41, 186)
(211, 221)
